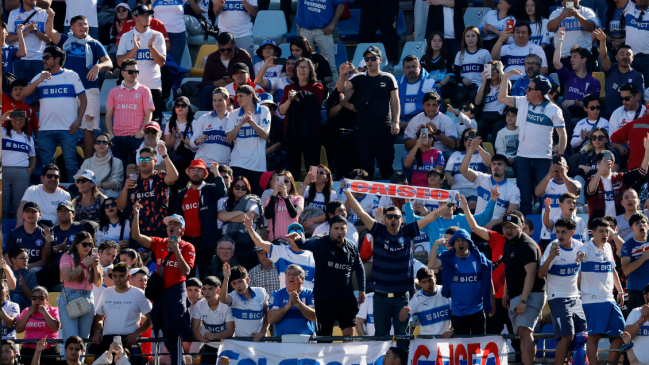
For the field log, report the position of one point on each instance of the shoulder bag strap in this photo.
(121, 232)
(160, 271)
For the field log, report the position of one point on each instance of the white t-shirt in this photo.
(352, 233)
(554, 190)
(513, 57)
(597, 274)
(172, 14)
(33, 45)
(492, 18)
(563, 272)
(441, 121)
(608, 194)
(637, 33)
(87, 8)
(575, 32)
(507, 142)
(537, 128)
(465, 123)
(17, 149)
(181, 130)
(97, 290)
(283, 256)
(249, 150)
(271, 72)
(622, 116)
(113, 233)
(586, 125)
(472, 64)
(540, 34)
(319, 200)
(453, 164)
(641, 340)
(235, 18)
(47, 202)
(433, 311)
(509, 193)
(213, 321)
(366, 311)
(369, 203)
(581, 232)
(58, 98)
(122, 310)
(248, 314)
(150, 75)
(215, 148)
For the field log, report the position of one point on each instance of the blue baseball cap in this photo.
(543, 85)
(294, 226)
(175, 218)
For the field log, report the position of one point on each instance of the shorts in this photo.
(568, 316)
(93, 110)
(535, 303)
(328, 311)
(604, 318)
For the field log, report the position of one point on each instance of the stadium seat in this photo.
(274, 5)
(358, 55)
(340, 52)
(105, 90)
(473, 16)
(186, 61)
(554, 77)
(410, 48)
(602, 80)
(206, 50)
(199, 39)
(489, 148)
(399, 152)
(269, 24)
(286, 49)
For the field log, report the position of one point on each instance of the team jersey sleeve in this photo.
(160, 45)
(516, 195)
(189, 255)
(275, 301)
(626, 249)
(275, 252)
(122, 48)
(545, 257)
(76, 82)
(449, 128)
(228, 315)
(110, 101)
(11, 23)
(99, 309)
(266, 119)
(231, 123)
(411, 129)
(196, 313)
(99, 50)
(539, 52)
(557, 119)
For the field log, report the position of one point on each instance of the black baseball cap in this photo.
(240, 67)
(513, 219)
(141, 9)
(66, 204)
(543, 85)
(32, 205)
(373, 50)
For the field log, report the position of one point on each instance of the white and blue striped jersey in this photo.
(513, 57)
(366, 312)
(249, 150)
(554, 190)
(58, 97)
(433, 311)
(17, 149)
(642, 337)
(637, 32)
(563, 272)
(597, 273)
(215, 148)
(509, 193)
(34, 45)
(150, 75)
(453, 164)
(581, 232)
(575, 32)
(472, 64)
(172, 14)
(248, 314)
(213, 321)
(283, 256)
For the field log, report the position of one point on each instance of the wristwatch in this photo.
(523, 301)
(439, 131)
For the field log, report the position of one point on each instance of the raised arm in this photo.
(467, 172)
(264, 245)
(556, 58)
(475, 228)
(135, 227)
(430, 217)
(364, 217)
(603, 52)
(223, 295)
(503, 96)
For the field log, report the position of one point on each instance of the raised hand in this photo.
(48, 235)
(226, 270)
(152, 40)
(581, 256)
(41, 345)
(162, 149)
(561, 33)
(344, 68)
(137, 206)
(600, 35)
(293, 236)
(50, 12)
(547, 202)
(269, 62)
(45, 75)
(136, 42)
(464, 204)
(495, 193)
(247, 222)
(215, 168)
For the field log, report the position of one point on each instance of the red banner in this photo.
(399, 191)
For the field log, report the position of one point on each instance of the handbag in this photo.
(155, 285)
(79, 306)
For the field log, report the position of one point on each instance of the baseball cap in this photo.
(142, 9)
(123, 5)
(266, 98)
(153, 125)
(88, 174)
(175, 218)
(373, 50)
(518, 213)
(32, 205)
(183, 99)
(513, 219)
(543, 85)
(294, 226)
(67, 204)
(265, 178)
(143, 269)
(240, 67)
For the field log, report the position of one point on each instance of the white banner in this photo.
(270, 353)
(488, 350)
(399, 191)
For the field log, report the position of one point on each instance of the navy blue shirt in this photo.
(76, 59)
(613, 79)
(33, 243)
(59, 237)
(8, 58)
(392, 271)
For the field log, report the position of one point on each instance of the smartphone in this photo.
(487, 69)
(313, 170)
(607, 155)
(424, 135)
(279, 180)
(510, 25)
(555, 243)
(570, 5)
(471, 134)
(95, 250)
(117, 339)
(280, 61)
(227, 78)
(556, 160)
(18, 114)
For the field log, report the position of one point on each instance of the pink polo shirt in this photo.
(37, 328)
(282, 219)
(128, 108)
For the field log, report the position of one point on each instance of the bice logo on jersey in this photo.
(252, 315)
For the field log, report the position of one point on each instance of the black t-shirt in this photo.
(322, 68)
(276, 132)
(59, 238)
(517, 254)
(377, 112)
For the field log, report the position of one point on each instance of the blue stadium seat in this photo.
(399, 152)
(269, 24)
(358, 55)
(554, 77)
(186, 61)
(105, 89)
(199, 39)
(340, 52)
(286, 49)
(410, 48)
(165, 119)
(348, 29)
(473, 16)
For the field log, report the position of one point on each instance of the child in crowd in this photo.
(507, 138)
(466, 115)
(211, 320)
(26, 279)
(269, 48)
(583, 129)
(568, 206)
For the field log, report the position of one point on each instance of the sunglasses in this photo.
(597, 107)
(531, 89)
(392, 216)
(241, 188)
(52, 176)
(120, 264)
(150, 131)
(626, 98)
(598, 138)
(145, 159)
(86, 244)
(39, 297)
(110, 205)
(131, 72)
(322, 173)
(102, 143)
(372, 59)
(350, 73)
(121, 10)
(82, 181)
(46, 57)
(225, 50)
(183, 105)
(465, 109)
(296, 230)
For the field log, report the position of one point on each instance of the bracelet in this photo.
(165, 156)
(627, 347)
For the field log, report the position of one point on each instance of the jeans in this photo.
(529, 172)
(177, 41)
(582, 198)
(317, 38)
(124, 146)
(386, 314)
(421, 19)
(16, 182)
(93, 32)
(27, 70)
(247, 43)
(205, 97)
(79, 326)
(47, 142)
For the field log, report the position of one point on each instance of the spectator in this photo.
(248, 158)
(635, 33)
(413, 86)
(480, 159)
(301, 48)
(334, 293)
(83, 8)
(616, 74)
(211, 320)
(73, 350)
(445, 133)
(466, 114)
(283, 207)
(277, 84)
(113, 225)
(532, 70)
(11, 53)
(86, 57)
(507, 138)
(379, 114)
(535, 149)
(250, 304)
(39, 321)
(605, 188)
(152, 138)
(423, 157)
(267, 181)
(130, 257)
(634, 260)
(369, 202)
(79, 267)
(275, 154)
(122, 15)
(59, 89)
(156, 24)
(598, 280)
(121, 356)
(128, 110)
(139, 279)
(216, 73)
(177, 136)
(172, 15)
(624, 136)
(240, 201)
(18, 159)
(122, 311)
(151, 188)
(10, 312)
(631, 204)
(198, 203)
(635, 321)
(236, 19)
(436, 319)
(579, 22)
(14, 99)
(493, 111)
(9, 353)
(435, 180)
(395, 356)
(31, 237)
(567, 206)
(208, 136)
(335, 208)
(88, 204)
(146, 256)
(224, 254)
(146, 46)
(22, 295)
(468, 64)
(599, 142)
(585, 128)
(514, 54)
(533, 14)
(292, 308)
(108, 170)
(316, 25)
(365, 317)
(317, 194)
(268, 50)
(169, 313)
(438, 61)
(107, 254)
(438, 16)
(241, 77)
(494, 24)
(264, 275)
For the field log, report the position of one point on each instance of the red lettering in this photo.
(474, 348)
(439, 360)
(491, 348)
(423, 193)
(461, 351)
(360, 187)
(392, 189)
(378, 189)
(451, 358)
(422, 350)
(406, 191)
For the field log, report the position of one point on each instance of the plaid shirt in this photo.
(265, 278)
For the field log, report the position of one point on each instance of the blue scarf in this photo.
(419, 99)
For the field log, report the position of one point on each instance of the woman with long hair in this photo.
(88, 204)
(493, 111)
(108, 170)
(494, 23)
(468, 65)
(341, 123)
(11, 311)
(532, 13)
(283, 207)
(122, 14)
(113, 225)
(300, 47)
(18, 159)
(423, 157)
(317, 193)
(439, 64)
(301, 104)
(38, 321)
(177, 137)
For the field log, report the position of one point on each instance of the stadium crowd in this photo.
(229, 225)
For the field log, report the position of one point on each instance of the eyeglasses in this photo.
(86, 244)
(225, 50)
(597, 107)
(110, 205)
(598, 138)
(52, 176)
(102, 143)
(121, 10)
(40, 297)
(241, 187)
(82, 181)
(626, 98)
(372, 59)
(296, 230)
(150, 131)
(131, 72)
(46, 57)
(183, 105)
(392, 216)
(225, 249)
(302, 68)
(145, 159)
(532, 64)
(530, 89)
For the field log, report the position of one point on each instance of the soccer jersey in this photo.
(465, 287)
(493, 18)
(32, 242)
(597, 273)
(150, 75)
(622, 116)
(613, 80)
(248, 313)
(433, 311)
(587, 125)
(640, 276)
(637, 32)
(17, 149)
(277, 84)
(554, 190)
(540, 35)
(641, 340)
(129, 106)
(87, 8)
(509, 193)
(369, 203)
(171, 274)
(13, 310)
(575, 32)
(441, 121)
(153, 195)
(563, 272)
(76, 58)
(212, 321)
(576, 87)
(453, 164)
(172, 14)
(8, 58)
(513, 57)
(34, 45)
(293, 322)
(319, 200)
(249, 150)
(215, 147)
(491, 103)
(271, 72)
(58, 98)
(352, 233)
(430, 159)
(536, 129)
(472, 64)
(581, 232)
(235, 19)
(283, 256)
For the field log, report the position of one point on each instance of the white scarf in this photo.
(83, 42)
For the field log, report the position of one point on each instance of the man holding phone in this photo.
(515, 55)
(578, 22)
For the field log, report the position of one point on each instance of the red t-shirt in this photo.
(153, 194)
(190, 213)
(634, 132)
(172, 275)
(156, 25)
(10, 104)
(147, 347)
(497, 243)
